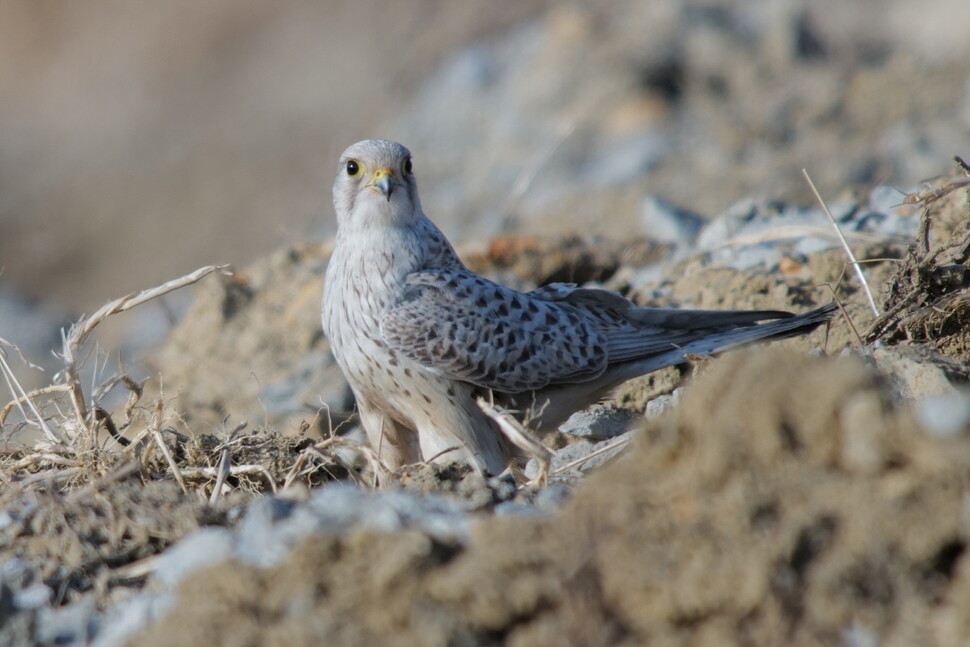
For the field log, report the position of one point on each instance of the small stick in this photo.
(223, 472)
(845, 244)
(848, 319)
(74, 338)
(102, 416)
(521, 438)
(156, 430)
(53, 388)
(20, 397)
(932, 195)
(135, 570)
(235, 470)
(33, 459)
(51, 477)
(579, 461)
(446, 450)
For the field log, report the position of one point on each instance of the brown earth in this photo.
(785, 501)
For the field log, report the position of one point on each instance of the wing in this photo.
(632, 333)
(457, 323)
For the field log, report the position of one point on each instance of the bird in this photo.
(420, 337)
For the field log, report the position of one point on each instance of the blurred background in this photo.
(139, 141)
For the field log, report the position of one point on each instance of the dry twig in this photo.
(519, 436)
(932, 195)
(234, 470)
(74, 338)
(21, 397)
(602, 450)
(222, 472)
(845, 245)
(156, 432)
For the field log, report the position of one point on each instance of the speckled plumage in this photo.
(419, 336)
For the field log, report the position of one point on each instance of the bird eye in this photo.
(407, 165)
(352, 168)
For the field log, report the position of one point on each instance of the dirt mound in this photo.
(786, 501)
(74, 543)
(927, 300)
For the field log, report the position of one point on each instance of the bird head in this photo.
(375, 185)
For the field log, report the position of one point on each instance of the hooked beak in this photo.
(384, 181)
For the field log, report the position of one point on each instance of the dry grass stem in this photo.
(848, 319)
(156, 432)
(932, 195)
(79, 331)
(324, 451)
(521, 437)
(845, 244)
(74, 338)
(235, 470)
(225, 464)
(48, 477)
(602, 450)
(21, 398)
(135, 570)
(28, 397)
(35, 459)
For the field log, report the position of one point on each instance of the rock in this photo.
(865, 439)
(272, 526)
(33, 597)
(73, 624)
(659, 405)
(599, 422)
(913, 372)
(945, 415)
(579, 450)
(204, 547)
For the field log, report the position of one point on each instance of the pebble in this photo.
(946, 415)
(662, 403)
(911, 375)
(599, 422)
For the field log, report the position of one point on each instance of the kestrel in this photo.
(419, 336)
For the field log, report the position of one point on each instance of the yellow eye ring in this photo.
(353, 168)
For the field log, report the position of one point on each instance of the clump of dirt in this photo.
(76, 543)
(455, 479)
(787, 500)
(927, 299)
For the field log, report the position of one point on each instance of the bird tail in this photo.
(784, 325)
